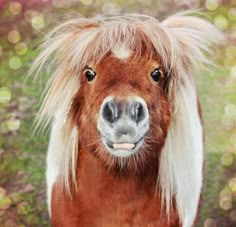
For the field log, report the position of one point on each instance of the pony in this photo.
(126, 144)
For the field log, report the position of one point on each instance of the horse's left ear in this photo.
(191, 38)
(188, 41)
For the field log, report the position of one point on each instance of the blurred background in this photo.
(23, 24)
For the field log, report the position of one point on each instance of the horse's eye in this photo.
(90, 74)
(156, 74)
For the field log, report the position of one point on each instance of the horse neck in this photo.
(91, 171)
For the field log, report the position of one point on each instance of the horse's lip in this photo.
(110, 143)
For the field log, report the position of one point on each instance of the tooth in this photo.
(127, 146)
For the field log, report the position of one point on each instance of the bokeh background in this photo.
(23, 24)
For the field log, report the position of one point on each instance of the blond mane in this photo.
(181, 41)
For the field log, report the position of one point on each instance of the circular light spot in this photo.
(212, 4)
(87, 2)
(233, 72)
(15, 8)
(2, 192)
(21, 48)
(225, 203)
(1, 152)
(230, 51)
(61, 3)
(232, 185)
(5, 202)
(15, 63)
(227, 123)
(13, 124)
(232, 139)
(232, 13)
(1, 51)
(227, 159)
(13, 36)
(210, 222)
(29, 14)
(37, 22)
(232, 31)
(226, 193)
(232, 215)
(221, 22)
(230, 110)
(111, 8)
(229, 62)
(5, 95)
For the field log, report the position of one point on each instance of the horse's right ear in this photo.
(58, 45)
(190, 40)
(63, 50)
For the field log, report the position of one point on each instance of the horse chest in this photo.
(107, 201)
(103, 200)
(112, 206)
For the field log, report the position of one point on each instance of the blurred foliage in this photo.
(22, 156)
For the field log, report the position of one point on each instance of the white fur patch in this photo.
(52, 163)
(181, 162)
(63, 141)
(122, 52)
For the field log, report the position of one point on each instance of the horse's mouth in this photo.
(122, 149)
(126, 145)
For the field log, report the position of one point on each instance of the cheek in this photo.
(87, 116)
(159, 111)
(84, 114)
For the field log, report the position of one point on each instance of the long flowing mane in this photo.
(180, 41)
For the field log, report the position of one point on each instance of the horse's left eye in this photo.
(90, 74)
(156, 74)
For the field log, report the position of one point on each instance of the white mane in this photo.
(181, 42)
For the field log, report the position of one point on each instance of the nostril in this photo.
(110, 112)
(137, 112)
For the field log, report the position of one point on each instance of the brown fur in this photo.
(105, 200)
(109, 194)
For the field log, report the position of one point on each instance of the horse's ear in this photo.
(192, 38)
(58, 53)
(188, 41)
(63, 51)
(58, 42)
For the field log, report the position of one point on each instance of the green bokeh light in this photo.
(15, 8)
(210, 222)
(21, 48)
(87, 2)
(13, 124)
(212, 4)
(15, 63)
(221, 22)
(227, 159)
(5, 95)
(38, 22)
(13, 36)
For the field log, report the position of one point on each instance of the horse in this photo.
(126, 144)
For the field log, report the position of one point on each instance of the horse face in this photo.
(123, 112)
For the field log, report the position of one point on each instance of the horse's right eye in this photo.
(90, 74)
(156, 74)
